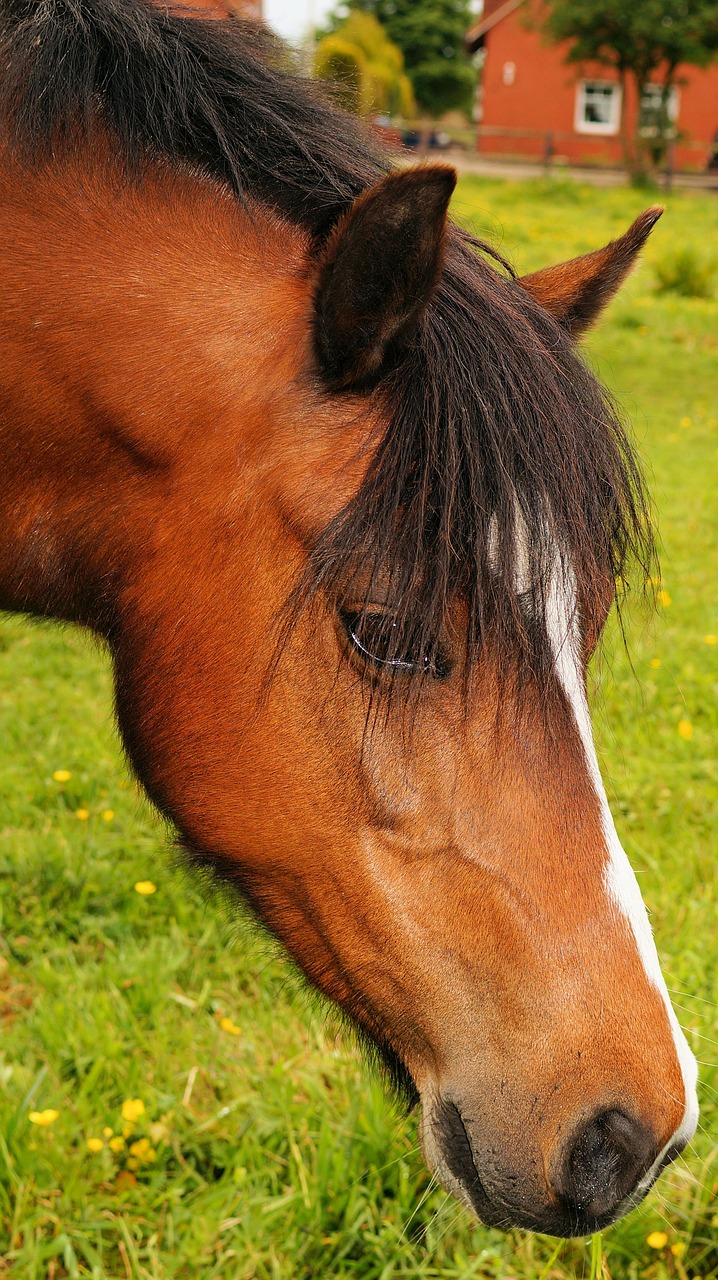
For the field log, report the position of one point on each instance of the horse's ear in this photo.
(377, 273)
(576, 292)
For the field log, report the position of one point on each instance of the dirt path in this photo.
(517, 170)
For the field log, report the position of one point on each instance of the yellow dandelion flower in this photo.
(710, 639)
(643, 330)
(62, 775)
(685, 729)
(657, 1240)
(43, 1118)
(116, 1144)
(94, 1145)
(132, 1163)
(145, 888)
(663, 598)
(132, 1109)
(108, 815)
(679, 1249)
(686, 422)
(107, 1132)
(230, 1027)
(655, 663)
(82, 814)
(143, 1151)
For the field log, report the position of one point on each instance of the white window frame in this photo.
(608, 128)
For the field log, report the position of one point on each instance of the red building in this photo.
(533, 102)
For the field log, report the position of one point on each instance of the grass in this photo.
(276, 1154)
(687, 273)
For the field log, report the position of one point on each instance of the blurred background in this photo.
(560, 83)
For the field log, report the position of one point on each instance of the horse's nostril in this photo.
(603, 1164)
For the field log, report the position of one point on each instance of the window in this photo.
(653, 108)
(598, 107)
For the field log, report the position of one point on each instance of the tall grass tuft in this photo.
(685, 272)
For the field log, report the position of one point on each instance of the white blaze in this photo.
(619, 878)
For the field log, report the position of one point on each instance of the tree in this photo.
(366, 67)
(430, 34)
(645, 41)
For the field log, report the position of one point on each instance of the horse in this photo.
(348, 508)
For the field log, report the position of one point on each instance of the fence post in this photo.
(548, 152)
(668, 175)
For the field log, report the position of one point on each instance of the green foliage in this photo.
(277, 1156)
(686, 272)
(344, 66)
(366, 68)
(638, 37)
(646, 41)
(430, 34)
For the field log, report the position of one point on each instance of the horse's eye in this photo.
(373, 635)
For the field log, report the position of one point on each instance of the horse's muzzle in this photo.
(597, 1174)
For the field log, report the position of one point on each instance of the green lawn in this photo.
(269, 1150)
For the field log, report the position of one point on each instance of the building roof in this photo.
(493, 12)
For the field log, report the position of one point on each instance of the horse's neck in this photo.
(128, 319)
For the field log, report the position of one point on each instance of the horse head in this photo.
(381, 734)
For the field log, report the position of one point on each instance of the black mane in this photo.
(490, 413)
(219, 94)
